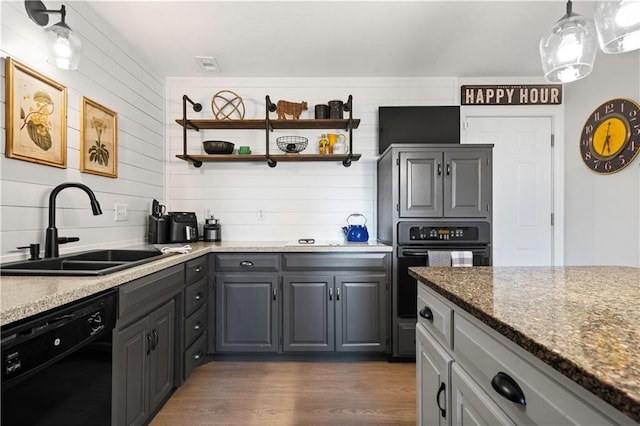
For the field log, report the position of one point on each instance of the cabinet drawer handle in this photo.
(448, 169)
(149, 343)
(199, 296)
(199, 269)
(330, 294)
(246, 263)
(338, 294)
(155, 339)
(508, 388)
(439, 169)
(198, 355)
(443, 411)
(197, 326)
(426, 313)
(275, 294)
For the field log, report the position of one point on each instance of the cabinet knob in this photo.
(508, 388)
(199, 269)
(426, 313)
(197, 326)
(199, 296)
(198, 355)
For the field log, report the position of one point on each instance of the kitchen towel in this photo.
(461, 258)
(438, 258)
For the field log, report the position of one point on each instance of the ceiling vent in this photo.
(208, 63)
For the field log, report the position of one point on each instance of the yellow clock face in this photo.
(610, 138)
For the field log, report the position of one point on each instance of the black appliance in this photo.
(418, 124)
(416, 239)
(56, 366)
(183, 227)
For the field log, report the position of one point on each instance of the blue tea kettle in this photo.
(356, 233)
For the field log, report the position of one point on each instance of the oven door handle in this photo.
(414, 253)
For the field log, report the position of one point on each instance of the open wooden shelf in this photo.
(268, 125)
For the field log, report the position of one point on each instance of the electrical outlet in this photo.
(260, 214)
(122, 212)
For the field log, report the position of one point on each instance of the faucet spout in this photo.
(51, 238)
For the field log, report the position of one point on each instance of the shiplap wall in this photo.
(113, 76)
(298, 199)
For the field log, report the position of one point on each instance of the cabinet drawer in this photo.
(194, 355)
(195, 296)
(195, 269)
(547, 400)
(247, 262)
(194, 326)
(406, 339)
(156, 287)
(335, 261)
(435, 316)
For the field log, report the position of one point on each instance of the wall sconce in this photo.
(568, 52)
(66, 45)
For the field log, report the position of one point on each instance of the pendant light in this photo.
(618, 24)
(65, 44)
(569, 50)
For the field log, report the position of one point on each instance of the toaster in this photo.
(183, 227)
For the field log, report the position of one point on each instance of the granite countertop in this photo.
(584, 321)
(21, 297)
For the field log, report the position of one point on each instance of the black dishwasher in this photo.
(56, 366)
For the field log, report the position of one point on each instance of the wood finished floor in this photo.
(294, 393)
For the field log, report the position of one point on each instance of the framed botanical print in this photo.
(98, 139)
(36, 116)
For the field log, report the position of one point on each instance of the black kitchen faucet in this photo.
(52, 240)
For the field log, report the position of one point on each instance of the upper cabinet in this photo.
(268, 125)
(445, 183)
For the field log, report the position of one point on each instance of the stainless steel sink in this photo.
(89, 263)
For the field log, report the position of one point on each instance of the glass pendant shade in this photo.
(66, 46)
(569, 50)
(618, 24)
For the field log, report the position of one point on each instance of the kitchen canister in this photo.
(335, 109)
(321, 111)
(211, 230)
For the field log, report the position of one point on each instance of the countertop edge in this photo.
(603, 390)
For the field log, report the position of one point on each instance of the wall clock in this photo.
(610, 138)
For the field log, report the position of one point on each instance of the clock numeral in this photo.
(588, 129)
(609, 108)
(607, 166)
(633, 115)
(596, 116)
(587, 155)
(636, 129)
(622, 161)
(633, 146)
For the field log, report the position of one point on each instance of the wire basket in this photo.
(292, 144)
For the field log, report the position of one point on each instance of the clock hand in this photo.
(606, 140)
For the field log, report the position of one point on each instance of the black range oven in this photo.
(416, 239)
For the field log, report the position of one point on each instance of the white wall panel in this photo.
(112, 75)
(299, 199)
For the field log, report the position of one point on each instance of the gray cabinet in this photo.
(308, 313)
(450, 183)
(247, 302)
(335, 302)
(432, 375)
(196, 322)
(145, 345)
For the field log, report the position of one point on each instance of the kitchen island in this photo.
(24, 296)
(575, 323)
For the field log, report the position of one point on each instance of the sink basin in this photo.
(89, 263)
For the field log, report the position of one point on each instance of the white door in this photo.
(522, 186)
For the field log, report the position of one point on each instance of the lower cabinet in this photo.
(335, 302)
(247, 312)
(196, 313)
(144, 362)
(433, 381)
(144, 365)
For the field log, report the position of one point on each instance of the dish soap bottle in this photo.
(323, 145)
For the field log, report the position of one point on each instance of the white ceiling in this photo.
(338, 38)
